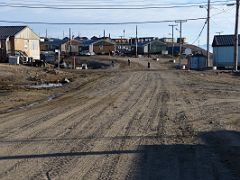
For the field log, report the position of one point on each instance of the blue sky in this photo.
(222, 18)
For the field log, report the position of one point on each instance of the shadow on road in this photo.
(217, 158)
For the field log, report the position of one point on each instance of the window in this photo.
(34, 45)
(25, 44)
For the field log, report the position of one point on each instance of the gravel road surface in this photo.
(137, 124)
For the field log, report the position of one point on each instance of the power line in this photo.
(102, 3)
(204, 25)
(97, 23)
(113, 7)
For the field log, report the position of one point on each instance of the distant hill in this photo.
(196, 49)
(204, 46)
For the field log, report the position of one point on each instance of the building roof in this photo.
(87, 42)
(8, 31)
(142, 44)
(223, 40)
(54, 42)
(90, 42)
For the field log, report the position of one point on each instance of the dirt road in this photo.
(156, 123)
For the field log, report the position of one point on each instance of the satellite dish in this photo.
(188, 51)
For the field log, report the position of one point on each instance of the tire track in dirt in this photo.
(97, 132)
(53, 113)
(89, 112)
(109, 169)
(127, 110)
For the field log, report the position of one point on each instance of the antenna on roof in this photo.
(219, 33)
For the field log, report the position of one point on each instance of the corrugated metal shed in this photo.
(223, 50)
(197, 62)
(8, 31)
(223, 40)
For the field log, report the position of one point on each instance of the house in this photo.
(182, 40)
(142, 39)
(78, 38)
(152, 47)
(223, 51)
(51, 44)
(18, 38)
(94, 38)
(167, 40)
(100, 46)
(71, 47)
(122, 44)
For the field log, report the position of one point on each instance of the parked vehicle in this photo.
(48, 57)
(86, 53)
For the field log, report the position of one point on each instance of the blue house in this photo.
(223, 51)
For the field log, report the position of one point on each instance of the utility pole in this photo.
(172, 25)
(70, 38)
(208, 32)
(46, 34)
(236, 38)
(121, 42)
(181, 42)
(70, 34)
(136, 41)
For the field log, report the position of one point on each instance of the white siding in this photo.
(31, 42)
(27, 33)
(34, 49)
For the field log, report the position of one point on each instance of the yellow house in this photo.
(18, 38)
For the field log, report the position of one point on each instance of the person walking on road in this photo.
(149, 65)
(129, 62)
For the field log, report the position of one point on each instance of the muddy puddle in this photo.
(46, 85)
(94, 64)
